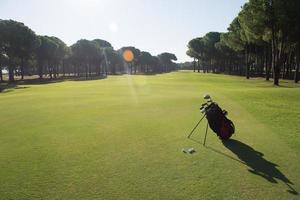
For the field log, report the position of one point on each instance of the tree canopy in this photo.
(263, 40)
(22, 52)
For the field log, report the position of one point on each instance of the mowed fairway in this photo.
(121, 138)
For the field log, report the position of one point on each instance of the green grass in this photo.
(121, 138)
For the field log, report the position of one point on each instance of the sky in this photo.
(155, 26)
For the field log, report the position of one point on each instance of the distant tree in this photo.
(115, 60)
(186, 65)
(22, 52)
(102, 43)
(58, 55)
(3, 62)
(265, 34)
(85, 51)
(226, 57)
(196, 51)
(45, 54)
(18, 43)
(210, 52)
(233, 39)
(155, 64)
(251, 19)
(136, 53)
(2, 55)
(101, 57)
(193, 55)
(273, 21)
(66, 62)
(145, 59)
(166, 60)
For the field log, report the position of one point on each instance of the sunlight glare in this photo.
(128, 55)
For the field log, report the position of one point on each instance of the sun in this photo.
(128, 55)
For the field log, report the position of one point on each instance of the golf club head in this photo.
(204, 104)
(206, 97)
(203, 109)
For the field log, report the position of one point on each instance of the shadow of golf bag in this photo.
(218, 121)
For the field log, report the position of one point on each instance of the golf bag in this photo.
(218, 121)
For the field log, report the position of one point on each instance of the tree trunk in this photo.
(194, 63)
(130, 70)
(49, 69)
(50, 73)
(241, 69)
(283, 70)
(89, 70)
(106, 69)
(276, 67)
(267, 63)
(55, 72)
(274, 47)
(100, 69)
(289, 66)
(11, 72)
(63, 68)
(230, 67)
(296, 76)
(256, 64)
(279, 59)
(40, 73)
(86, 72)
(22, 69)
(274, 61)
(1, 75)
(77, 69)
(40, 69)
(198, 65)
(247, 61)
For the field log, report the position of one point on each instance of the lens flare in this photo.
(128, 55)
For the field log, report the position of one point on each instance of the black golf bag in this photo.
(218, 121)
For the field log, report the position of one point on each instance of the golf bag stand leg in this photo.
(196, 126)
(205, 134)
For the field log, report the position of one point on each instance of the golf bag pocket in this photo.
(227, 129)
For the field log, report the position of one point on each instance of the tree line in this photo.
(23, 53)
(263, 40)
